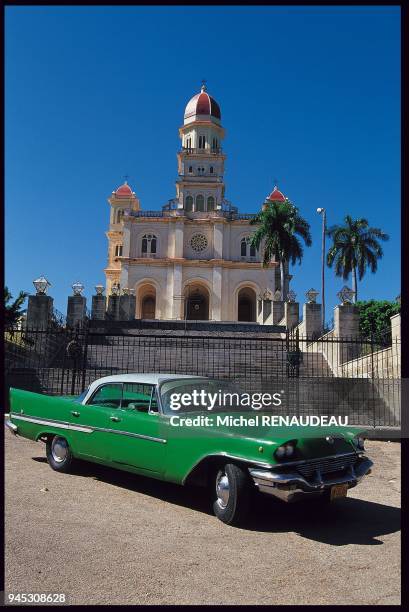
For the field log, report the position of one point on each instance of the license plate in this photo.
(338, 491)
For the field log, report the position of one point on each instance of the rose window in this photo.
(198, 242)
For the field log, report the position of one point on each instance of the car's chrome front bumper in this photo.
(9, 424)
(290, 485)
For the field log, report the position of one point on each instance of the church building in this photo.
(193, 258)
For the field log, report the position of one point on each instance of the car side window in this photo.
(107, 395)
(137, 396)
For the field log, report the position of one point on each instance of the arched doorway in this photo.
(197, 303)
(246, 307)
(147, 302)
(148, 307)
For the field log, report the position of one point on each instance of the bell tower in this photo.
(200, 187)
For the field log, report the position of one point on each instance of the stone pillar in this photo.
(291, 314)
(127, 305)
(216, 313)
(76, 309)
(346, 321)
(218, 240)
(395, 366)
(39, 311)
(266, 312)
(346, 327)
(113, 307)
(395, 326)
(179, 227)
(99, 305)
(312, 320)
(178, 303)
(277, 312)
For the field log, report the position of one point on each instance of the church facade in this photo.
(192, 259)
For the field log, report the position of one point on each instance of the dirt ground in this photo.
(102, 536)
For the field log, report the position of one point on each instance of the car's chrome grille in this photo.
(327, 465)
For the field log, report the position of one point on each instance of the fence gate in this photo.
(354, 377)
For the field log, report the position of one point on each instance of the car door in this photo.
(98, 415)
(139, 441)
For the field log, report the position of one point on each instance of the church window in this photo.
(246, 248)
(188, 143)
(118, 250)
(190, 169)
(210, 203)
(149, 245)
(211, 169)
(199, 203)
(202, 142)
(214, 144)
(198, 243)
(189, 203)
(119, 216)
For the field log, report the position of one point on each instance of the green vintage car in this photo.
(128, 422)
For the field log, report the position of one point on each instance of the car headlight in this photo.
(286, 450)
(359, 442)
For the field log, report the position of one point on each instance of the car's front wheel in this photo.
(232, 488)
(59, 454)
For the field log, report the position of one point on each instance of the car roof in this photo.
(149, 379)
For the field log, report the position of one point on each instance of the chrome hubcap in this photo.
(222, 489)
(59, 449)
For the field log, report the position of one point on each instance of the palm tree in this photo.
(279, 224)
(355, 247)
(13, 311)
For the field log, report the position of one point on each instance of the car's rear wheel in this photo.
(232, 488)
(59, 454)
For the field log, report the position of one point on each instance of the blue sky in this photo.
(309, 95)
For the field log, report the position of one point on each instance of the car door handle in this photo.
(115, 419)
(75, 413)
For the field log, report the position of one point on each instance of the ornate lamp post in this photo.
(41, 285)
(115, 289)
(77, 288)
(312, 295)
(322, 211)
(291, 295)
(346, 295)
(99, 289)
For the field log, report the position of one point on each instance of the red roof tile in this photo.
(202, 104)
(124, 191)
(276, 196)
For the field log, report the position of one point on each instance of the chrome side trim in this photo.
(85, 428)
(58, 424)
(132, 435)
(11, 426)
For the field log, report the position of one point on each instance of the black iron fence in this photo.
(341, 376)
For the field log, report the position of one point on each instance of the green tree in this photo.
(13, 309)
(355, 248)
(280, 224)
(374, 318)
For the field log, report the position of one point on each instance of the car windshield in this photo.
(187, 395)
(80, 398)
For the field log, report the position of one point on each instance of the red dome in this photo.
(202, 104)
(124, 191)
(276, 196)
